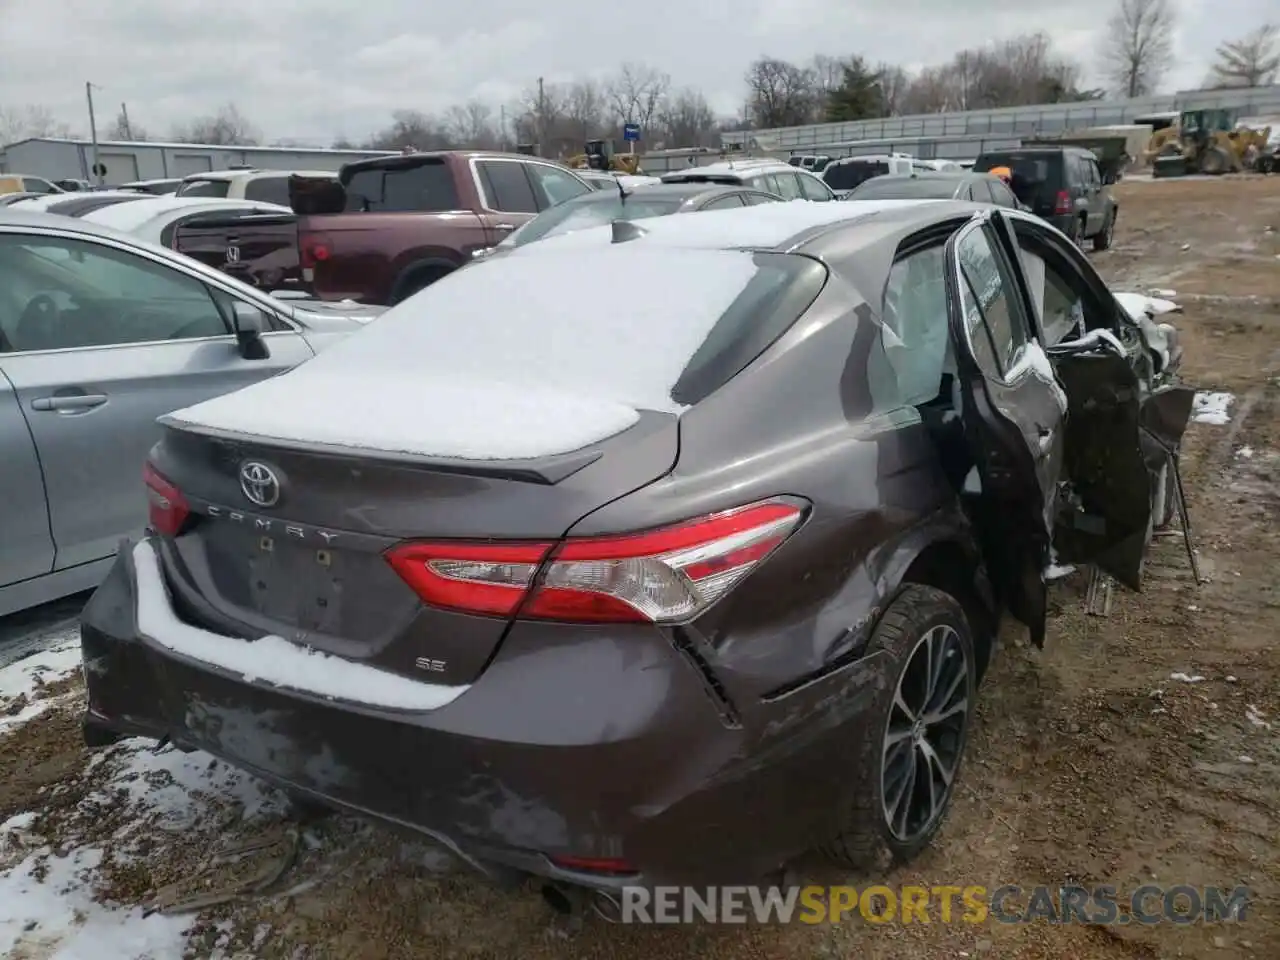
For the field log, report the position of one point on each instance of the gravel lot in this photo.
(1089, 764)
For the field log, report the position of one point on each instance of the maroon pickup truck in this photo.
(392, 225)
(259, 248)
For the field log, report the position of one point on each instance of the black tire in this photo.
(867, 841)
(417, 280)
(1103, 238)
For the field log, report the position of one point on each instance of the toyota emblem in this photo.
(259, 484)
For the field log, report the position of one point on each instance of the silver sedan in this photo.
(101, 333)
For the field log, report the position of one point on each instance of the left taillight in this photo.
(657, 576)
(167, 507)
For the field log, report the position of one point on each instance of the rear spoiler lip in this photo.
(546, 471)
(229, 220)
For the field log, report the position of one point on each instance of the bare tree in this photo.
(411, 130)
(228, 126)
(471, 125)
(124, 128)
(585, 104)
(33, 120)
(636, 93)
(687, 120)
(1252, 61)
(779, 94)
(894, 84)
(1138, 49)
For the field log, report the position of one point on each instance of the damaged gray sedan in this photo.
(664, 594)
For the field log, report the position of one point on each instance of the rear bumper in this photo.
(600, 752)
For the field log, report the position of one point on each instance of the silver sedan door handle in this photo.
(84, 401)
(504, 226)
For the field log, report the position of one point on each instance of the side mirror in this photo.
(249, 323)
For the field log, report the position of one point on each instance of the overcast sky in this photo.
(317, 69)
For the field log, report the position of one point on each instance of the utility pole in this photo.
(93, 131)
(542, 116)
(502, 127)
(124, 119)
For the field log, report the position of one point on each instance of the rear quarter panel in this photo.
(805, 420)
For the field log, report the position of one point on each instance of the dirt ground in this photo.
(1089, 763)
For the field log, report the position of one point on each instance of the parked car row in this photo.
(699, 583)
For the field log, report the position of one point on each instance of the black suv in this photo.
(1064, 186)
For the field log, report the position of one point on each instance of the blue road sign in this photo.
(631, 132)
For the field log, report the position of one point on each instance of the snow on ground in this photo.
(55, 863)
(24, 683)
(1212, 408)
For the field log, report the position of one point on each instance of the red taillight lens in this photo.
(659, 576)
(167, 507)
(479, 578)
(1063, 202)
(611, 865)
(312, 252)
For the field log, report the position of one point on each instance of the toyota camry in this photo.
(666, 593)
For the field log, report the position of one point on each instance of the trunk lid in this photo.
(258, 249)
(311, 566)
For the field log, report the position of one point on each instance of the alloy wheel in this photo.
(925, 735)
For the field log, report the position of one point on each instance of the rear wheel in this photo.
(417, 280)
(1102, 239)
(905, 766)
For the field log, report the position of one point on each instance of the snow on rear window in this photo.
(523, 356)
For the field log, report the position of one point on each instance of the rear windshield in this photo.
(848, 174)
(906, 188)
(590, 212)
(204, 188)
(655, 329)
(420, 187)
(1034, 175)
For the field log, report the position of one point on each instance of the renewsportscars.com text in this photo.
(1181, 904)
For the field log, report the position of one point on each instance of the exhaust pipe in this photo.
(557, 898)
(606, 906)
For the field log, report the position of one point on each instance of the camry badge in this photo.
(259, 484)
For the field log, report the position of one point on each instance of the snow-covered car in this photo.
(656, 595)
(101, 333)
(154, 219)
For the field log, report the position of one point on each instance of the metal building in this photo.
(57, 159)
(900, 132)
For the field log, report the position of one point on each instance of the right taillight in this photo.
(313, 251)
(657, 576)
(167, 507)
(1062, 204)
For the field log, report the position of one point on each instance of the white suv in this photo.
(269, 186)
(772, 176)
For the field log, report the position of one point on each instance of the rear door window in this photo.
(272, 189)
(788, 187)
(205, 188)
(506, 186)
(419, 188)
(732, 202)
(554, 186)
(813, 189)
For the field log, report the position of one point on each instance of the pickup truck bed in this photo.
(390, 226)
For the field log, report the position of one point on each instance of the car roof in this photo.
(228, 175)
(130, 216)
(787, 226)
(743, 167)
(679, 190)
